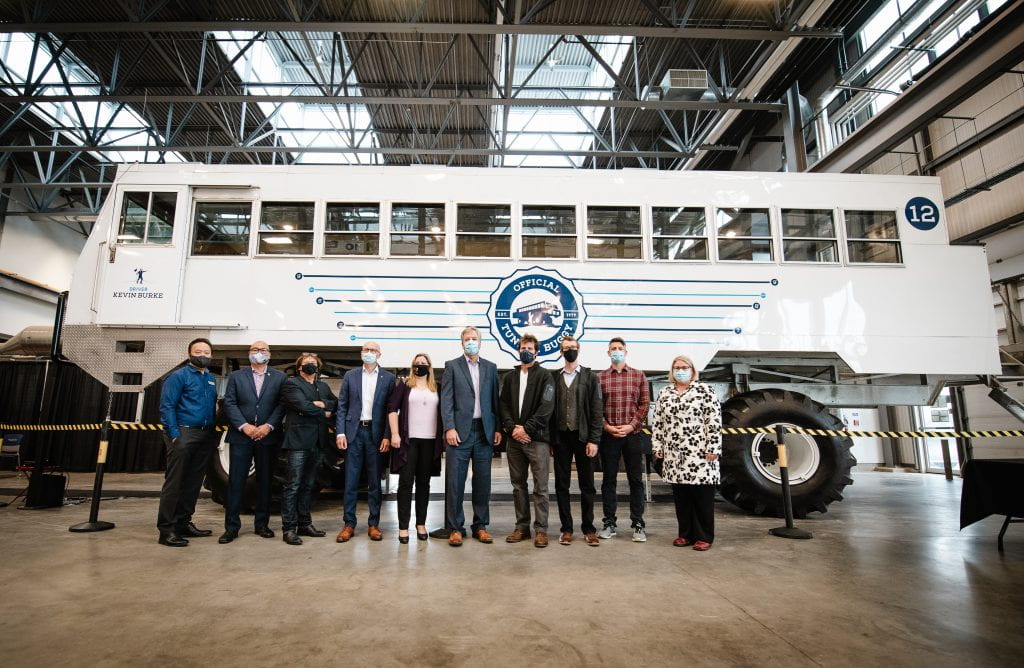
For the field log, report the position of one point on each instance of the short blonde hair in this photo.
(470, 328)
(411, 380)
(682, 358)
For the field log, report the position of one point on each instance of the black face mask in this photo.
(309, 368)
(571, 354)
(201, 361)
(421, 369)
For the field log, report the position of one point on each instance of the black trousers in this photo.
(241, 458)
(187, 460)
(567, 444)
(611, 451)
(695, 511)
(417, 469)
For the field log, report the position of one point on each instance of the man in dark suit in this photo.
(576, 427)
(254, 413)
(363, 430)
(469, 413)
(527, 399)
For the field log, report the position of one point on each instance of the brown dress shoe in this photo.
(345, 535)
(482, 536)
(565, 538)
(374, 533)
(592, 539)
(455, 538)
(517, 536)
(541, 539)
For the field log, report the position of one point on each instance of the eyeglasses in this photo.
(259, 350)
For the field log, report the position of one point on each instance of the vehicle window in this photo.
(549, 232)
(417, 229)
(483, 230)
(809, 235)
(147, 218)
(614, 232)
(680, 233)
(352, 229)
(744, 235)
(286, 228)
(873, 237)
(222, 228)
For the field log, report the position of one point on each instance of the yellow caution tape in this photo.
(731, 431)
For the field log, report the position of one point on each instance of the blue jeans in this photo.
(362, 452)
(478, 449)
(242, 455)
(302, 465)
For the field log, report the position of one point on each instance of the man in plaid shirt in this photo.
(626, 399)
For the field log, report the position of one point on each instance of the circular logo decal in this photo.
(922, 213)
(535, 301)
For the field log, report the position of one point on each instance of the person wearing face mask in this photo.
(469, 415)
(254, 411)
(576, 425)
(686, 434)
(626, 400)
(414, 414)
(309, 405)
(188, 404)
(527, 400)
(363, 431)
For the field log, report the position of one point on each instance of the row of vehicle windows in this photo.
(547, 232)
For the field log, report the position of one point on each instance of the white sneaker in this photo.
(639, 536)
(607, 532)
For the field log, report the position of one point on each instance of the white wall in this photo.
(984, 414)
(43, 252)
(868, 451)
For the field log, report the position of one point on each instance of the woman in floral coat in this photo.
(687, 436)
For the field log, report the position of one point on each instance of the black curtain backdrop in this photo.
(71, 396)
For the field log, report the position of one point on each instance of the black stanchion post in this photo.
(445, 531)
(94, 524)
(788, 531)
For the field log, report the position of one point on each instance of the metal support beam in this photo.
(343, 149)
(957, 75)
(217, 98)
(796, 150)
(169, 27)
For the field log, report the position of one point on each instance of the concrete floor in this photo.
(888, 579)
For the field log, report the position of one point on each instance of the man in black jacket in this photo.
(576, 425)
(527, 398)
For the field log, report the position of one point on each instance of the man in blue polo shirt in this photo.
(188, 403)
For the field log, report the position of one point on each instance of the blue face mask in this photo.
(369, 358)
(471, 347)
(259, 358)
(525, 356)
(618, 356)
(682, 375)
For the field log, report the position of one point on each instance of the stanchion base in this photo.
(88, 527)
(443, 533)
(790, 532)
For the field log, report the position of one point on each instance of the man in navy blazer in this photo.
(254, 413)
(469, 413)
(363, 430)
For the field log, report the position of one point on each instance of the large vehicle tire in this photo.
(217, 479)
(819, 466)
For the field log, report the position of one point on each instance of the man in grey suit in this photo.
(362, 429)
(469, 414)
(254, 413)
